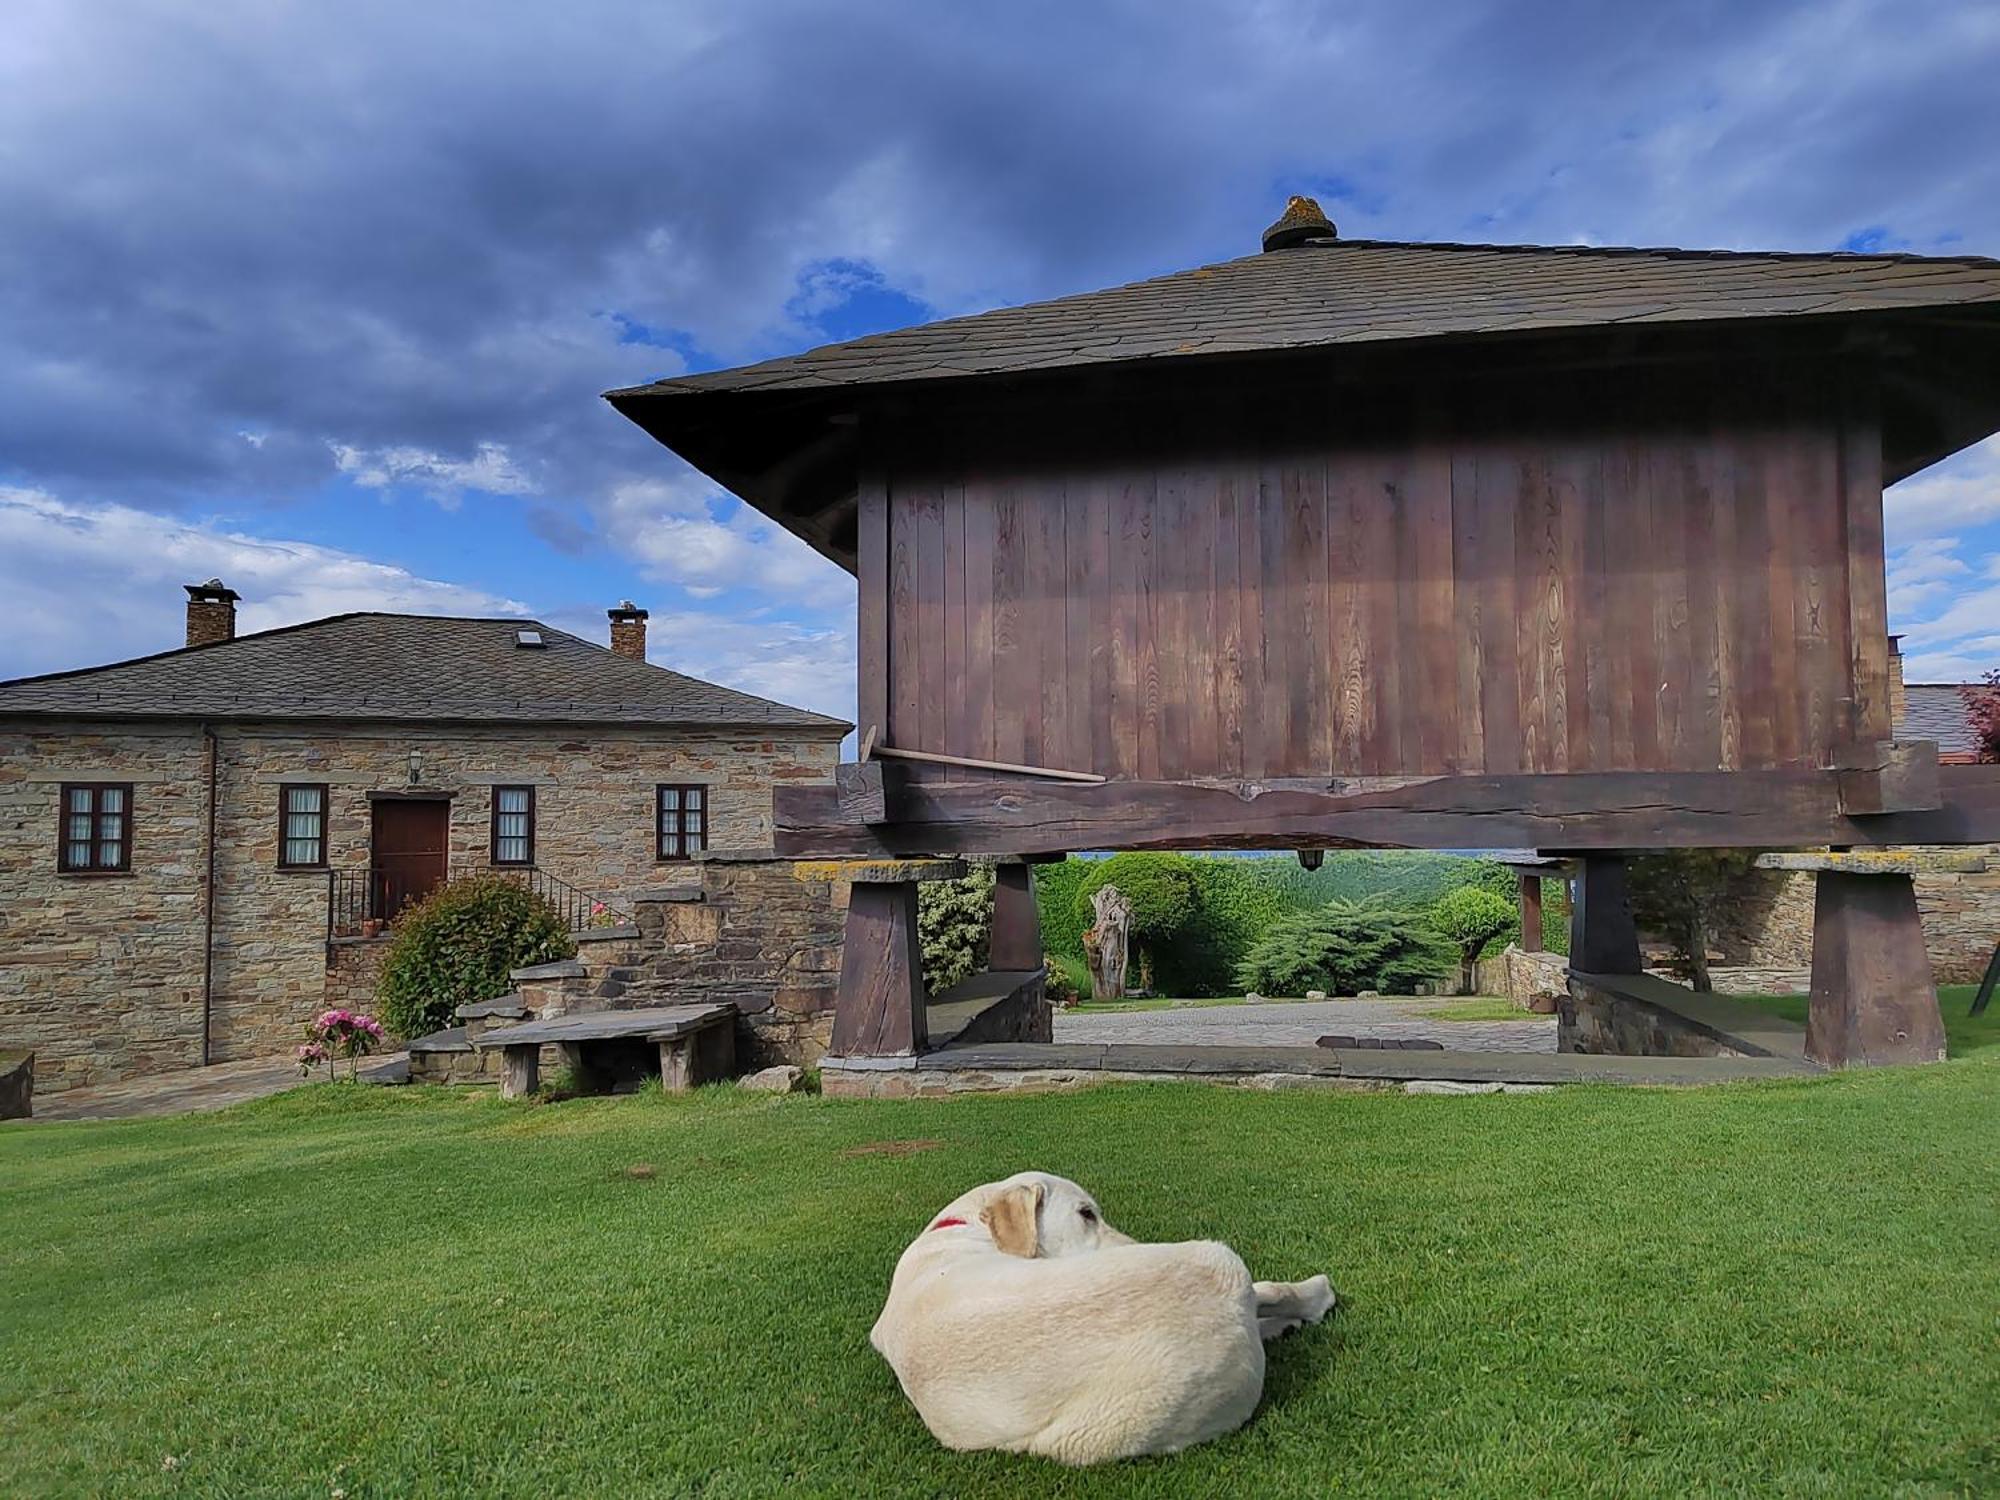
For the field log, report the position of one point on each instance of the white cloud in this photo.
(804, 664)
(1962, 491)
(93, 583)
(685, 531)
(490, 468)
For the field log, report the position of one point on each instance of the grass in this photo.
(1963, 1034)
(1784, 1288)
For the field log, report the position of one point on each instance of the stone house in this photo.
(197, 847)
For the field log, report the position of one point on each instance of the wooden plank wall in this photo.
(1464, 582)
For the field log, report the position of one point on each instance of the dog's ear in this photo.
(1010, 1219)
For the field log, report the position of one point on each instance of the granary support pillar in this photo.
(879, 1007)
(1016, 940)
(1873, 996)
(1531, 912)
(1602, 938)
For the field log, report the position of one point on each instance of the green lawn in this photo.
(1963, 1034)
(1776, 1289)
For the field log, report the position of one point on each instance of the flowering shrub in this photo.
(602, 915)
(339, 1033)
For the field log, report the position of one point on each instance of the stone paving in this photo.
(198, 1089)
(1301, 1023)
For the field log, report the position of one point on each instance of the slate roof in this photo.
(1368, 291)
(1936, 711)
(419, 668)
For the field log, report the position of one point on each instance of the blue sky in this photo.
(320, 298)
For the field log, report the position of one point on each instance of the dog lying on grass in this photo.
(1020, 1320)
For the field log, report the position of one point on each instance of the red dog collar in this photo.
(949, 1224)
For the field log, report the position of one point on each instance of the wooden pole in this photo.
(1873, 998)
(1016, 944)
(879, 1007)
(932, 757)
(1531, 913)
(1602, 939)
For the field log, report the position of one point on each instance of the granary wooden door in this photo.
(407, 851)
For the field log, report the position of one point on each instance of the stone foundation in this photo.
(754, 932)
(1594, 1020)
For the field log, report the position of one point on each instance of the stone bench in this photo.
(697, 1044)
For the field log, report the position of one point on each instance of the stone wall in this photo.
(354, 966)
(1601, 1021)
(1520, 976)
(102, 974)
(750, 931)
(1769, 920)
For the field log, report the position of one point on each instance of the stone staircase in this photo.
(746, 930)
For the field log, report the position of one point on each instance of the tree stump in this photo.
(1107, 944)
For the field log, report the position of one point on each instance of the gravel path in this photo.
(1300, 1023)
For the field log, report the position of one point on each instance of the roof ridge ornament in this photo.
(1302, 222)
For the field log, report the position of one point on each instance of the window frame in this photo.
(285, 790)
(97, 840)
(493, 829)
(688, 845)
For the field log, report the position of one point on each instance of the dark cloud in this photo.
(236, 238)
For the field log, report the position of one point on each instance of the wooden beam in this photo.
(1602, 939)
(869, 791)
(1791, 809)
(1017, 929)
(879, 1007)
(1883, 777)
(1873, 998)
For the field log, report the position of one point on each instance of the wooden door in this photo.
(407, 851)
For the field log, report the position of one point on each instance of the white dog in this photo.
(1020, 1320)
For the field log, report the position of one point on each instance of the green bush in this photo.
(458, 945)
(1161, 888)
(1344, 948)
(954, 927)
(1055, 903)
(1068, 979)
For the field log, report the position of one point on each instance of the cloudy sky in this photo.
(319, 297)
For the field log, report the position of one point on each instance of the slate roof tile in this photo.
(1355, 291)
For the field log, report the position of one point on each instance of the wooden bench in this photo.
(697, 1044)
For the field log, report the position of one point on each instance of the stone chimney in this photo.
(211, 612)
(1899, 698)
(628, 630)
(1302, 223)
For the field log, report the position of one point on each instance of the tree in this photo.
(1677, 894)
(1162, 895)
(1471, 916)
(1344, 948)
(1982, 708)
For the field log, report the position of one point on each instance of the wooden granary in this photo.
(1358, 542)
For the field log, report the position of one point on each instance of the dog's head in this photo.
(1037, 1216)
